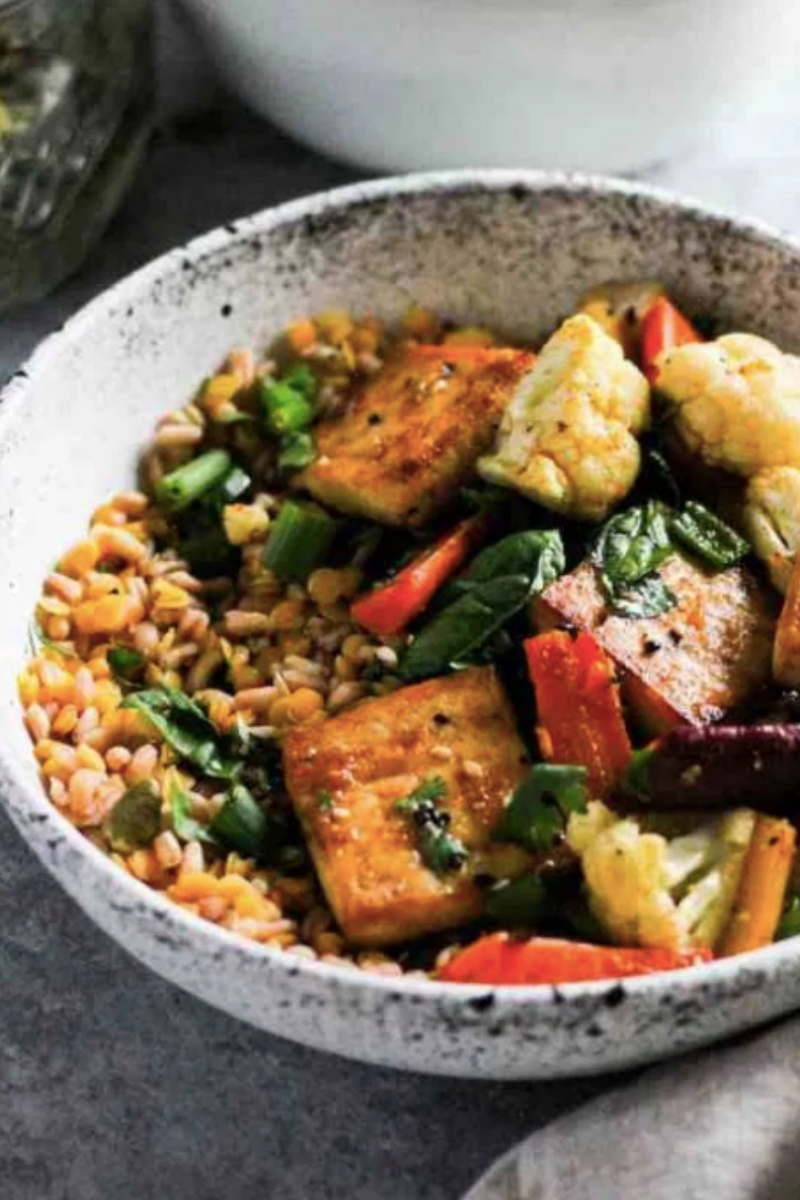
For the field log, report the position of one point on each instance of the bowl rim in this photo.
(33, 802)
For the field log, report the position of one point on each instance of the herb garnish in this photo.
(497, 585)
(324, 801)
(632, 546)
(241, 822)
(537, 813)
(439, 849)
(627, 552)
(184, 726)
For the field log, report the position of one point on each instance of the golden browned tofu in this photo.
(407, 440)
(346, 776)
(691, 664)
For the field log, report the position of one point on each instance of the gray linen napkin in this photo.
(724, 1125)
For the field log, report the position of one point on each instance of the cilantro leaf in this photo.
(537, 814)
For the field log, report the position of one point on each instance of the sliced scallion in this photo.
(297, 451)
(299, 540)
(188, 483)
(286, 410)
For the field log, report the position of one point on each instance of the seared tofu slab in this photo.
(691, 664)
(409, 438)
(347, 775)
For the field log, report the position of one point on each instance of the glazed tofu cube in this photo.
(409, 438)
(346, 776)
(691, 664)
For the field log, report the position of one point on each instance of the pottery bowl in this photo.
(509, 249)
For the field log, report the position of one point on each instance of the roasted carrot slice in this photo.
(765, 875)
(389, 608)
(786, 647)
(499, 959)
(579, 713)
(663, 328)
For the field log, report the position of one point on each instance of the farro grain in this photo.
(344, 694)
(246, 624)
(118, 758)
(256, 699)
(142, 765)
(70, 590)
(167, 850)
(193, 859)
(132, 504)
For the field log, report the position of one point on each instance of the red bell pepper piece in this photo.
(499, 959)
(390, 607)
(578, 707)
(663, 328)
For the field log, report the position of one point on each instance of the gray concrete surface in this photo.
(113, 1084)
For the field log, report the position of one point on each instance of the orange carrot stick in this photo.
(579, 712)
(765, 874)
(499, 959)
(388, 608)
(663, 328)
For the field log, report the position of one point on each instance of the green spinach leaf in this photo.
(633, 544)
(241, 822)
(496, 586)
(185, 727)
(628, 552)
(462, 628)
(187, 827)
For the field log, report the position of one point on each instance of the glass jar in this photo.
(76, 95)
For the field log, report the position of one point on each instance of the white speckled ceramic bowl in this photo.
(509, 249)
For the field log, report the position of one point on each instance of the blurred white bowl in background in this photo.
(610, 85)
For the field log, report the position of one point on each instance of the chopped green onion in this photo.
(188, 483)
(299, 540)
(297, 451)
(285, 409)
(302, 379)
(241, 823)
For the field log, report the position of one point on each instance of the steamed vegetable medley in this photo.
(425, 653)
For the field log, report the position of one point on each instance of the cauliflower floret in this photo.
(772, 520)
(646, 890)
(737, 402)
(567, 437)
